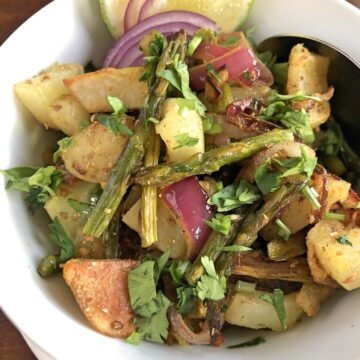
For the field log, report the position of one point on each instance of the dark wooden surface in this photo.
(12, 14)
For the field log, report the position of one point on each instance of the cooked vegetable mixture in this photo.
(196, 186)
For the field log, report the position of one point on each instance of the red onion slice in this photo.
(166, 22)
(132, 13)
(188, 201)
(238, 62)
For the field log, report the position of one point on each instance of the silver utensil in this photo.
(344, 75)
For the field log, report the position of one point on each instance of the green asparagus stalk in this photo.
(111, 237)
(254, 222)
(149, 234)
(212, 249)
(134, 151)
(211, 160)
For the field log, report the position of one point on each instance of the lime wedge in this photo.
(113, 13)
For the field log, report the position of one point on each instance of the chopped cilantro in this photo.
(266, 180)
(284, 231)
(211, 286)
(256, 341)
(193, 44)
(213, 73)
(220, 223)
(177, 270)
(211, 127)
(63, 144)
(334, 216)
(277, 300)
(343, 240)
(183, 140)
(234, 195)
(311, 197)
(114, 121)
(186, 300)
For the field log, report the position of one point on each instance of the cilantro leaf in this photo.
(265, 180)
(186, 300)
(63, 144)
(141, 284)
(211, 286)
(18, 178)
(59, 237)
(220, 223)
(183, 140)
(155, 328)
(256, 341)
(114, 121)
(343, 240)
(160, 264)
(299, 96)
(177, 270)
(234, 195)
(277, 300)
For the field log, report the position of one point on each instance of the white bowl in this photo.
(44, 310)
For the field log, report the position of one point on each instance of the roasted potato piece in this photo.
(310, 297)
(91, 89)
(37, 93)
(308, 73)
(247, 309)
(72, 221)
(338, 191)
(100, 288)
(340, 261)
(68, 114)
(94, 151)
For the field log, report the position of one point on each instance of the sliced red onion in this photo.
(240, 64)
(209, 51)
(139, 61)
(166, 23)
(132, 13)
(188, 201)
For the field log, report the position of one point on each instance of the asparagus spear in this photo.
(210, 161)
(149, 196)
(133, 154)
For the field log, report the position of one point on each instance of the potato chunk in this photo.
(100, 288)
(68, 114)
(38, 93)
(174, 125)
(247, 309)
(72, 221)
(341, 262)
(94, 151)
(92, 89)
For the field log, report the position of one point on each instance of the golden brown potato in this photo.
(338, 191)
(310, 297)
(308, 73)
(37, 93)
(340, 261)
(68, 114)
(94, 151)
(72, 221)
(100, 288)
(92, 89)
(247, 309)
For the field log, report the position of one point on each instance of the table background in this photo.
(12, 14)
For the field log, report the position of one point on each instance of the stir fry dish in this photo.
(198, 183)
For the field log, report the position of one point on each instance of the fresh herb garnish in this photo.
(311, 196)
(256, 341)
(211, 286)
(213, 73)
(40, 183)
(84, 124)
(134, 338)
(334, 216)
(343, 240)
(193, 44)
(234, 195)
(186, 300)
(114, 121)
(220, 223)
(299, 96)
(211, 127)
(277, 300)
(284, 231)
(179, 78)
(63, 144)
(183, 140)
(177, 270)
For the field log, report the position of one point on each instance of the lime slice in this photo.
(228, 14)
(113, 13)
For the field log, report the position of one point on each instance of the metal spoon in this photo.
(344, 75)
